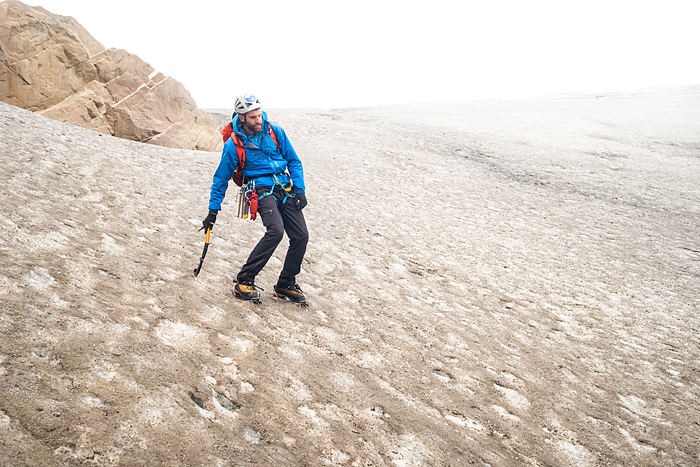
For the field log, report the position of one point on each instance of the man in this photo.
(281, 196)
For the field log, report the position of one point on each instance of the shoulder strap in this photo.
(237, 176)
(240, 149)
(274, 138)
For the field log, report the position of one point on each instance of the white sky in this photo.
(313, 53)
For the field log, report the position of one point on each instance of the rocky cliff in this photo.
(51, 65)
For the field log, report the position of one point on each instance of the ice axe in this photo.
(204, 253)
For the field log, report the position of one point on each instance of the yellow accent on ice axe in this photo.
(204, 253)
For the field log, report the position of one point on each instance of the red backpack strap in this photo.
(274, 138)
(238, 174)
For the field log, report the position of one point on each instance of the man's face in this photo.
(252, 121)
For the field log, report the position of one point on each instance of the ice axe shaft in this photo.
(204, 253)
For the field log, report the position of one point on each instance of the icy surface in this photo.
(491, 283)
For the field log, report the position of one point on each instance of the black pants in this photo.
(277, 219)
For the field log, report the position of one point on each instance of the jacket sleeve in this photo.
(227, 166)
(296, 171)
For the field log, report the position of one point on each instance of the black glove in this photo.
(300, 200)
(208, 223)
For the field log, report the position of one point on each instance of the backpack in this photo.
(227, 133)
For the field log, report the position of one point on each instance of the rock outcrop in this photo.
(51, 65)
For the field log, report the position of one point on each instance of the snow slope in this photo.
(492, 283)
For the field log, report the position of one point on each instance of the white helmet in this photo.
(246, 102)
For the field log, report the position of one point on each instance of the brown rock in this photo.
(51, 65)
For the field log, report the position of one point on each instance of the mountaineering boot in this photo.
(292, 293)
(246, 291)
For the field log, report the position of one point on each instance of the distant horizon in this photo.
(583, 93)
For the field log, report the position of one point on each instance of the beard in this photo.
(252, 128)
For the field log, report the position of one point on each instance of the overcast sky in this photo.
(325, 54)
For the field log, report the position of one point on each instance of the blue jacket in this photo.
(266, 159)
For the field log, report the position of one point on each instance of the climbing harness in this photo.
(247, 196)
(286, 189)
(248, 201)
